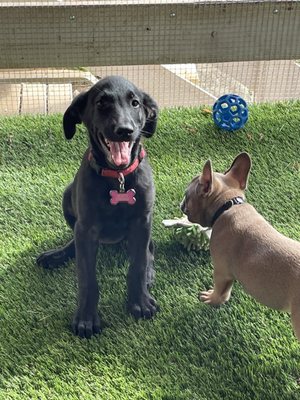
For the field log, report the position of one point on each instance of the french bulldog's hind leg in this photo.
(221, 291)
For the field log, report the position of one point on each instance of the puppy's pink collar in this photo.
(113, 173)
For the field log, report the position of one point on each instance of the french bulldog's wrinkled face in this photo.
(192, 205)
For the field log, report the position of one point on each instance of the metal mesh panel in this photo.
(184, 53)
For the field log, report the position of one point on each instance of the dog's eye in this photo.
(99, 104)
(135, 103)
(104, 101)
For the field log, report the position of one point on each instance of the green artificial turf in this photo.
(189, 351)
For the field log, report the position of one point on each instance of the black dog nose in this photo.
(124, 130)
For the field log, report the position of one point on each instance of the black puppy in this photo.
(112, 195)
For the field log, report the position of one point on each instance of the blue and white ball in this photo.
(230, 112)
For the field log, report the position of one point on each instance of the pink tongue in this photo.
(120, 153)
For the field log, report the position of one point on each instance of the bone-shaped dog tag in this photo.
(122, 197)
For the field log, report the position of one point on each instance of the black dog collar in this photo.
(234, 201)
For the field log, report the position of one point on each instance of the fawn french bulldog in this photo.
(243, 246)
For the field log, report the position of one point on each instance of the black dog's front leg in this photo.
(86, 321)
(140, 303)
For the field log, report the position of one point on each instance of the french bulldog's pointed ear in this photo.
(206, 179)
(73, 115)
(240, 169)
(151, 111)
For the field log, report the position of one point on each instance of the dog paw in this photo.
(51, 259)
(145, 308)
(210, 297)
(86, 327)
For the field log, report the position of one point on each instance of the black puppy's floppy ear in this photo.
(73, 115)
(151, 111)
